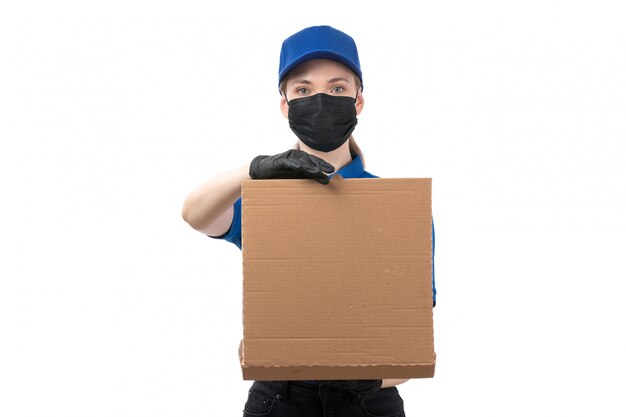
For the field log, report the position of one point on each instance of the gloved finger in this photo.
(292, 164)
(319, 176)
(323, 165)
(295, 169)
(301, 162)
(320, 163)
(310, 167)
(322, 178)
(328, 168)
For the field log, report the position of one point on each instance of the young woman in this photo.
(320, 83)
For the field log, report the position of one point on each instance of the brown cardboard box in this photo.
(337, 279)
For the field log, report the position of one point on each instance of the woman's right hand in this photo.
(292, 164)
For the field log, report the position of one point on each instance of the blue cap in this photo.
(318, 42)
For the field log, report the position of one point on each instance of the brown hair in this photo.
(354, 148)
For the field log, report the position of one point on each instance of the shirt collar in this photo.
(354, 169)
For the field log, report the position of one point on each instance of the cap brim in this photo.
(318, 54)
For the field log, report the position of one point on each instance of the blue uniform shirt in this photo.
(353, 170)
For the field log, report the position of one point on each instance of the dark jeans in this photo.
(303, 399)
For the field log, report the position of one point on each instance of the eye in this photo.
(303, 91)
(338, 90)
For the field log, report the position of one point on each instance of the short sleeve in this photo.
(233, 235)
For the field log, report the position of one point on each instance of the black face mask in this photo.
(323, 122)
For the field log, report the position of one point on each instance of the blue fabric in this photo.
(233, 235)
(353, 170)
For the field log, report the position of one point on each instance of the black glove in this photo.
(293, 164)
(362, 387)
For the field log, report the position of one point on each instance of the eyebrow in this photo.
(334, 80)
(303, 81)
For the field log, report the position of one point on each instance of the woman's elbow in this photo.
(187, 214)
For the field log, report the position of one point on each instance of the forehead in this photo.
(320, 71)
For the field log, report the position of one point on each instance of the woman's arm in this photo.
(392, 382)
(208, 208)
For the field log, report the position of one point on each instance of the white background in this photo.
(112, 112)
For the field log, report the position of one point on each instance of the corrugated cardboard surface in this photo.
(337, 279)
